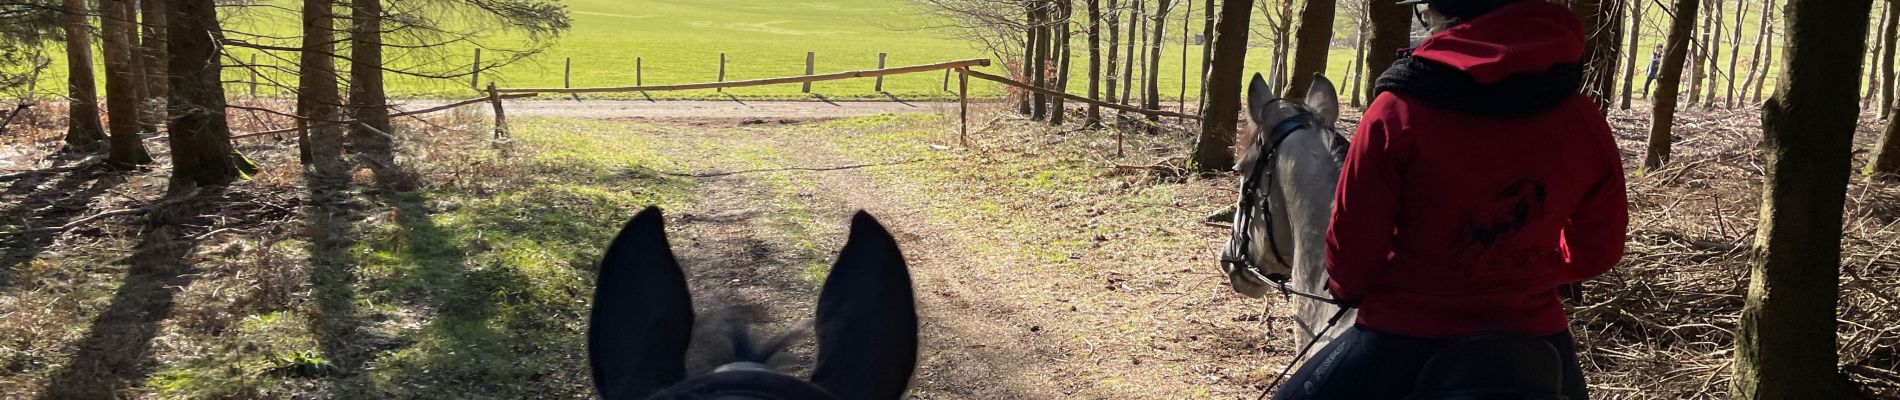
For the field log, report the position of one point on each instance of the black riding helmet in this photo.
(1461, 10)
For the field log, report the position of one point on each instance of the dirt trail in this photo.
(991, 328)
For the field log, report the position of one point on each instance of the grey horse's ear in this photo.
(1258, 94)
(867, 318)
(642, 317)
(1323, 97)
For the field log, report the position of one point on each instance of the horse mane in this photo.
(727, 337)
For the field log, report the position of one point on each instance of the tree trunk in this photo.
(1095, 63)
(1359, 61)
(200, 139)
(1599, 51)
(1635, 50)
(1873, 58)
(1735, 51)
(122, 85)
(1039, 65)
(1024, 104)
(1114, 47)
(317, 97)
(1282, 44)
(83, 132)
(1062, 39)
(1391, 31)
(1154, 64)
(1699, 63)
(1785, 345)
(369, 105)
(1207, 48)
(1886, 58)
(1142, 63)
(1187, 13)
(1768, 56)
(1756, 66)
(1221, 114)
(1886, 161)
(1675, 53)
(1715, 55)
(1313, 42)
(152, 49)
(1128, 56)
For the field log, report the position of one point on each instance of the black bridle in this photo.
(1253, 197)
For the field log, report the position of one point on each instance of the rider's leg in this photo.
(1361, 364)
(1574, 386)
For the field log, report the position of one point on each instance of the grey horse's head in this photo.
(1292, 201)
(642, 321)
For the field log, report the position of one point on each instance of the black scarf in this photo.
(1451, 88)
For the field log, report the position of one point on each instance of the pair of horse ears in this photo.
(1321, 96)
(642, 318)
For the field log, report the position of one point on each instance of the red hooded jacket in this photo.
(1478, 182)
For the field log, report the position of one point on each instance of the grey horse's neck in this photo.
(1308, 173)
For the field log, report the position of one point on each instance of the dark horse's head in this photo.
(642, 320)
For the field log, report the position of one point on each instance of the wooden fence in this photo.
(962, 67)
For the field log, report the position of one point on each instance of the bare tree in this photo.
(1675, 53)
(1313, 42)
(1785, 347)
(1039, 58)
(1094, 32)
(123, 89)
(1128, 56)
(1886, 161)
(1890, 36)
(1735, 51)
(1699, 61)
(1220, 114)
(1391, 31)
(83, 131)
(368, 103)
(1714, 49)
(1154, 64)
(1635, 50)
(1114, 37)
(1602, 19)
(1873, 58)
(1768, 55)
(1064, 9)
(317, 98)
(1756, 64)
(1359, 58)
(152, 57)
(200, 138)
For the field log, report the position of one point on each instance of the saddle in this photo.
(1494, 367)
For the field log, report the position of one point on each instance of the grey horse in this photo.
(1286, 202)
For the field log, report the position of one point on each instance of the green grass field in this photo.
(680, 41)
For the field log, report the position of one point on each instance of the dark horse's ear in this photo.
(643, 315)
(1258, 94)
(867, 318)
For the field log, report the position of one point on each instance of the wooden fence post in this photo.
(636, 71)
(567, 79)
(501, 118)
(809, 57)
(963, 97)
(253, 68)
(879, 87)
(946, 80)
(722, 72)
(475, 71)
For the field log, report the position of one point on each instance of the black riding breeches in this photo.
(1371, 365)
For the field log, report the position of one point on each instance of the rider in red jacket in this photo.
(1478, 183)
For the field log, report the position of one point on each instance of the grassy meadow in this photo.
(681, 41)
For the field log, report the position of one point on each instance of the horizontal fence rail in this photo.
(980, 62)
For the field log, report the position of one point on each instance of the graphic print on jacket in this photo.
(1485, 240)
